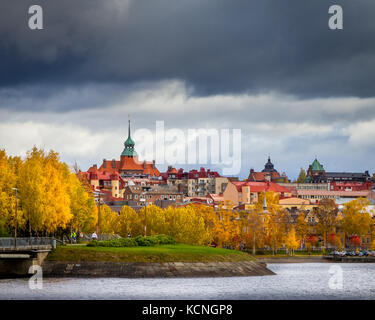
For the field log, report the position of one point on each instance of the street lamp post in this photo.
(99, 215)
(99, 219)
(15, 220)
(145, 201)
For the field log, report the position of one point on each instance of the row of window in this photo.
(162, 197)
(318, 197)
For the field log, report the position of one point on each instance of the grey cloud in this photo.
(216, 46)
(293, 139)
(269, 67)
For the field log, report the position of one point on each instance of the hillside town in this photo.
(40, 194)
(138, 184)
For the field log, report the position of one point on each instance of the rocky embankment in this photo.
(155, 270)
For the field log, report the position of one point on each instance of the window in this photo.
(136, 196)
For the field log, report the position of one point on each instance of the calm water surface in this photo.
(293, 281)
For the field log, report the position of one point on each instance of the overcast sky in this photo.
(271, 68)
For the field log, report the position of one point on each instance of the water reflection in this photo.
(293, 281)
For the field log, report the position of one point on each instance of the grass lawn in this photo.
(161, 253)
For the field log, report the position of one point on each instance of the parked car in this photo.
(342, 253)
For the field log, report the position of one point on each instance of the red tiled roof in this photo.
(127, 164)
(261, 186)
(333, 193)
(261, 176)
(192, 174)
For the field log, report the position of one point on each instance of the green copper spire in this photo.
(129, 144)
(316, 166)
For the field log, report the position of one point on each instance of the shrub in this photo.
(355, 241)
(164, 239)
(126, 242)
(138, 241)
(146, 241)
(93, 243)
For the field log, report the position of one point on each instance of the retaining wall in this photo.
(155, 270)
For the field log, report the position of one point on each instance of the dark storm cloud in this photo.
(215, 46)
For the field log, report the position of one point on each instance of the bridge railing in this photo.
(28, 242)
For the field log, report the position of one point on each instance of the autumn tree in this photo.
(302, 176)
(83, 207)
(326, 214)
(186, 225)
(56, 201)
(32, 185)
(253, 224)
(52, 198)
(8, 181)
(355, 241)
(356, 219)
(110, 221)
(129, 222)
(302, 228)
(333, 240)
(311, 241)
(274, 218)
(153, 218)
(210, 218)
(291, 242)
(372, 246)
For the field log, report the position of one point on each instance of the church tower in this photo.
(129, 144)
(268, 167)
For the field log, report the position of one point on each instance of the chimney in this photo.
(153, 164)
(104, 163)
(144, 164)
(113, 163)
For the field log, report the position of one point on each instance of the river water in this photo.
(293, 281)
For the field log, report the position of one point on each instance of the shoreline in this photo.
(303, 259)
(316, 259)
